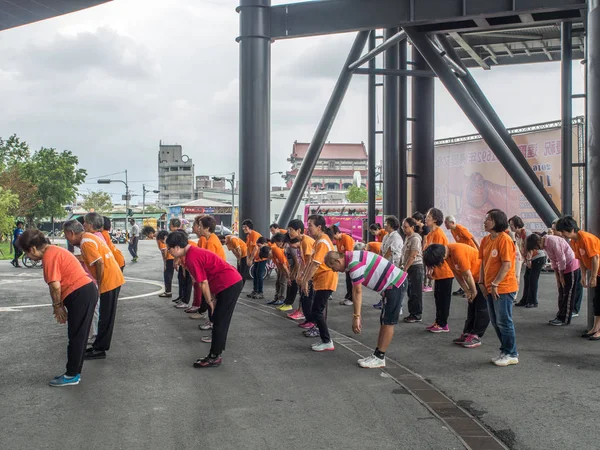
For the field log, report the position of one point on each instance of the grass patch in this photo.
(5, 247)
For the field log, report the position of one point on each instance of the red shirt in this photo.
(206, 266)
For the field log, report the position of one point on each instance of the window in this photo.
(331, 165)
(187, 169)
(173, 169)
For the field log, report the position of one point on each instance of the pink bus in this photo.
(349, 217)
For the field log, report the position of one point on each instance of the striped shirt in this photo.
(373, 271)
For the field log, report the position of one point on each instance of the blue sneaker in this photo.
(63, 380)
(378, 305)
(279, 302)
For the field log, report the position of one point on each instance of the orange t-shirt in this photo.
(345, 243)
(115, 251)
(213, 244)
(202, 242)
(60, 265)
(280, 230)
(306, 248)
(163, 249)
(374, 247)
(438, 237)
(380, 235)
(93, 249)
(493, 252)
(586, 247)
(278, 256)
(251, 239)
(463, 236)
(464, 257)
(235, 242)
(324, 278)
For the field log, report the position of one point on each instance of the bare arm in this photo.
(411, 258)
(207, 294)
(594, 274)
(476, 242)
(57, 304)
(99, 271)
(309, 272)
(357, 300)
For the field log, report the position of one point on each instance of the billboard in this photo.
(469, 180)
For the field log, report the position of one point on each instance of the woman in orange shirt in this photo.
(168, 259)
(344, 243)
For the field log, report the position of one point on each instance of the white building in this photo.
(175, 175)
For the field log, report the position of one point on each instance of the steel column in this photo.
(372, 138)
(475, 92)
(402, 132)
(423, 138)
(255, 113)
(373, 52)
(491, 136)
(566, 57)
(391, 136)
(321, 133)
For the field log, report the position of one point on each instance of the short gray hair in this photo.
(95, 220)
(451, 219)
(74, 226)
(359, 246)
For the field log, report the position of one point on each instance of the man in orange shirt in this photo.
(238, 247)
(464, 262)
(257, 265)
(462, 236)
(168, 259)
(101, 263)
(344, 243)
(296, 231)
(586, 247)
(115, 251)
(205, 228)
(324, 282)
(277, 255)
(442, 275)
(497, 280)
(274, 229)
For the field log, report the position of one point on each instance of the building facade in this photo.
(335, 167)
(175, 175)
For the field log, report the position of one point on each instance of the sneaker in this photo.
(459, 292)
(197, 316)
(506, 360)
(91, 353)
(531, 305)
(427, 289)
(63, 380)
(206, 339)
(272, 302)
(313, 332)
(181, 305)
(279, 302)
(437, 329)
(306, 325)
(258, 296)
(297, 315)
(250, 295)
(412, 319)
(285, 308)
(323, 347)
(372, 362)
(431, 326)
(472, 341)
(460, 340)
(206, 326)
(135, 259)
(378, 305)
(497, 358)
(176, 300)
(208, 362)
(192, 310)
(165, 295)
(556, 323)
(346, 302)
(575, 315)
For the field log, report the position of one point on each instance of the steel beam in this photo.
(392, 41)
(567, 115)
(470, 50)
(423, 139)
(396, 72)
(322, 131)
(372, 139)
(255, 113)
(484, 105)
(340, 16)
(593, 119)
(391, 136)
(402, 132)
(484, 127)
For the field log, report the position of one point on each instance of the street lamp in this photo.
(127, 195)
(232, 183)
(144, 196)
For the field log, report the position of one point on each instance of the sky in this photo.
(110, 82)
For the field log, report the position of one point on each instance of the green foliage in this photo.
(13, 151)
(14, 180)
(8, 201)
(99, 201)
(357, 194)
(153, 209)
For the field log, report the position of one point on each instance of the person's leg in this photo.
(534, 278)
(254, 270)
(181, 282)
(189, 282)
(390, 312)
(525, 293)
(226, 301)
(318, 307)
(563, 293)
(415, 290)
(504, 322)
(168, 276)
(443, 296)
(260, 273)
(574, 278)
(291, 293)
(80, 306)
(243, 269)
(518, 267)
(493, 318)
(348, 286)
(306, 301)
(481, 318)
(108, 312)
(135, 246)
(93, 330)
(130, 247)
(596, 303)
(578, 296)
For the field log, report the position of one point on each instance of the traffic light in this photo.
(129, 212)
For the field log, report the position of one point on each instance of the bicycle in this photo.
(29, 263)
(270, 268)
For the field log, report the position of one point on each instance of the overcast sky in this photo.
(109, 82)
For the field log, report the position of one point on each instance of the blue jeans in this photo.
(501, 317)
(258, 269)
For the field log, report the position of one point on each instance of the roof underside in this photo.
(15, 13)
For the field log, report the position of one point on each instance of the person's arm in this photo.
(469, 282)
(411, 258)
(206, 294)
(99, 271)
(594, 274)
(308, 274)
(237, 252)
(475, 241)
(499, 277)
(57, 305)
(482, 281)
(584, 274)
(252, 255)
(357, 302)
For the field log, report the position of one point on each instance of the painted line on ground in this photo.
(416, 386)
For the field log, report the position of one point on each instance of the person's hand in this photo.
(289, 282)
(61, 314)
(593, 282)
(584, 282)
(495, 294)
(562, 281)
(212, 304)
(356, 325)
(305, 289)
(470, 296)
(528, 263)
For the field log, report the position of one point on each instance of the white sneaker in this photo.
(323, 346)
(197, 316)
(507, 360)
(372, 362)
(575, 315)
(181, 305)
(496, 358)
(346, 302)
(206, 326)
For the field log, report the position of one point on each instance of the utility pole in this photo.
(144, 190)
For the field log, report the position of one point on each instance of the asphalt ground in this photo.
(272, 391)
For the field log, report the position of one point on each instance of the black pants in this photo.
(18, 254)
(318, 313)
(478, 316)
(348, 286)
(307, 301)
(578, 297)
(242, 268)
(532, 278)
(185, 284)
(292, 291)
(415, 290)
(133, 246)
(567, 295)
(168, 275)
(597, 298)
(80, 306)
(221, 317)
(442, 293)
(106, 319)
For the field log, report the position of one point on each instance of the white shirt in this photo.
(394, 243)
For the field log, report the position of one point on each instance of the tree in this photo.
(15, 181)
(57, 177)
(153, 209)
(13, 152)
(99, 201)
(8, 201)
(357, 194)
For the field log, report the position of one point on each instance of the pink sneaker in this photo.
(437, 329)
(296, 315)
(431, 327)
(306, 325)
(427, 289)
(472, 341)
